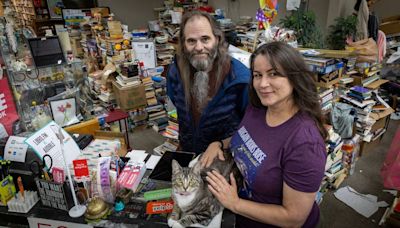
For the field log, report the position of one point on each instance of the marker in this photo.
(21, 187)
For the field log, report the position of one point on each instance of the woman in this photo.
(279, 147)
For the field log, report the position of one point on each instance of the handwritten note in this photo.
(45, 141)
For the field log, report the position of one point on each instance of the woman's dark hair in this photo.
(305, 93)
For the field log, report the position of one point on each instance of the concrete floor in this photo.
(366, 179)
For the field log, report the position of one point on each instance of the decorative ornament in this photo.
(266, 13)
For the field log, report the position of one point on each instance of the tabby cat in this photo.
(193, 201)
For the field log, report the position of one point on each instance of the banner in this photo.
(8, 110)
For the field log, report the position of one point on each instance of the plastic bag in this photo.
(366, 49)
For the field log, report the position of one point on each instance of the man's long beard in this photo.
(200, 86)
(200, 89)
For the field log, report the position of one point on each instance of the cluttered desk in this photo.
(134, 190)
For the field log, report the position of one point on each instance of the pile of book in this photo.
(361, 99)
(165, 53)
(125, 81)
(149, 89)
(157, 117)
(334, 168)
(168, 145)
(367, 73)
(172, 129)
(326, 95)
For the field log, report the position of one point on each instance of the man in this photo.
(207, 86)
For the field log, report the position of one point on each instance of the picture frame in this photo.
(64, 111)
(55, 7)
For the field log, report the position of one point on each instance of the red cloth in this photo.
(390, 171)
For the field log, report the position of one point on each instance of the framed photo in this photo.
(55, 7)
(64, 111)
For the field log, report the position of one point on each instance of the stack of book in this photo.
(323, 66)
(168, 145)
(124, 81)
(334, 167)
(158, 121)
(326, 95)
(367, 74)
(149, 89)
(172, 130)
(165, 53)
(360, 93)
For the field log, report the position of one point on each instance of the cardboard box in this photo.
(130, 97)
(380, 123)
(329, 84)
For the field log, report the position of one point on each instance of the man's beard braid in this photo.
(201, 78)
(200, 89)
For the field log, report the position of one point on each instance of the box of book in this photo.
(130, 97)
(330, 79)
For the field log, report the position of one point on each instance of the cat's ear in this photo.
(197, 167)
(176, 168)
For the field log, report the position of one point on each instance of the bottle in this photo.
(143, 70)
(349, 155)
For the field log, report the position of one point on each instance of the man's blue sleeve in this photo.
(171, 81)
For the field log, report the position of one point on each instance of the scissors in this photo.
(41, 171)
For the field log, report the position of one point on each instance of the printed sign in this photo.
(52, 194)
(46, 141)
(15, 149)
(48, 223)
(58, 175)
(81, 169)
(8, 111)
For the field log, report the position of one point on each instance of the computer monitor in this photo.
(163, 169)
(46, 51)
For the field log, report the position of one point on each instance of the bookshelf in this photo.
(24, 12)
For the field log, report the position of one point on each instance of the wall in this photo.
(236, 8)
(134, 13)
(386, 8)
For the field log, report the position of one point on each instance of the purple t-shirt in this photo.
(293, 152)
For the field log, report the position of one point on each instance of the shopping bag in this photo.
(366, 49)
(390, 171)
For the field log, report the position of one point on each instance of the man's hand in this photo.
(213, 150)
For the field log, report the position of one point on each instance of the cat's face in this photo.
(185, 181)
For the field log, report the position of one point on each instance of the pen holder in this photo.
(23, 204)
(54, 195)
(7, 190)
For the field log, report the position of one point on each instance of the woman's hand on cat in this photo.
(213, 150)
(225, 193)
